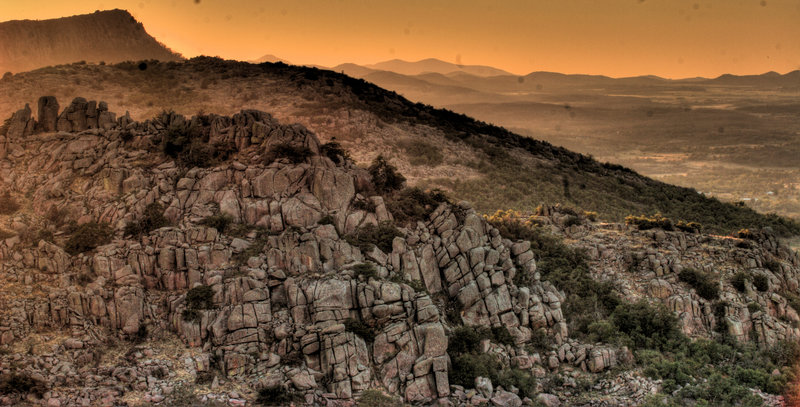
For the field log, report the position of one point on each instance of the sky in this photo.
(668, 38)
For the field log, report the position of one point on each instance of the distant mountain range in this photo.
(109, 36)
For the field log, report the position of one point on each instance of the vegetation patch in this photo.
(703, 283)
(366, 332)
(87, 237)
(365, 270)
(422, 153)
(385, 177)
(287, 151)
(219, 222)
(152, 219)
(410, 205)
(335, 152)
(649, 222)
(276, 396)
(370, 235)
(377, 398)
(15, 383)
(187, 142)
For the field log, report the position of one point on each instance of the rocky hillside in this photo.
(109, 36)
(238, 260)
(434, 148)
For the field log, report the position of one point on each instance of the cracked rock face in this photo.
(278, 314)
(284, 304)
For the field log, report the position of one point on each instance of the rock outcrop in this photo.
(285, 303)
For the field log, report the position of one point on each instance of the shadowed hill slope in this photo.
(489, 165)
(110, 36)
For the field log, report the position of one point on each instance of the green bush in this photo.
(385, 177)
(464, 339)
(760, 282)
(87, 237)
(152, 219)
(739, 281)
(360, 329)
(647, 326)
(8, 205)
(466, 367)
(370, 235)
(410, 205)
(219, 222)
(703, 283)
(518, 378)
(292, 153)
(366, 270)
(21, 384)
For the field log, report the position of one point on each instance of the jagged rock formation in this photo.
(110, 36)
(284, 290)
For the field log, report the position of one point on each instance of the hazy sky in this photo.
(671, 38)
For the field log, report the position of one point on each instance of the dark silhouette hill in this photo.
(109, 36)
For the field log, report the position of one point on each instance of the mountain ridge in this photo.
(108, 36)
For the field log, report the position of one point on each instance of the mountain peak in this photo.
(105, 35)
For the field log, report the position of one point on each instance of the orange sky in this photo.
(670, 38)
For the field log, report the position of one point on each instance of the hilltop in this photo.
(488, 165)
(108, 36)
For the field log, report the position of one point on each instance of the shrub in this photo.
(649, 222)
(363, 205)
(275, 396)
(502, 336)
(366, 270)
(360, 329)
(385, 176)
(376, 398)
(466, 367)
(87, 237)
(647, 326)
(540, 341)
(21, 384)
(200, 297)
(335, 152)
(152, 219)
(8, 204)
(739, 281)
(292, 153)
(370, 235)
(703, 283)
(219, 222)
(760, 282)
(417, 286)
(464, 339)
(690, 227)
(413, 204)
(518, 378)
(185, 142)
